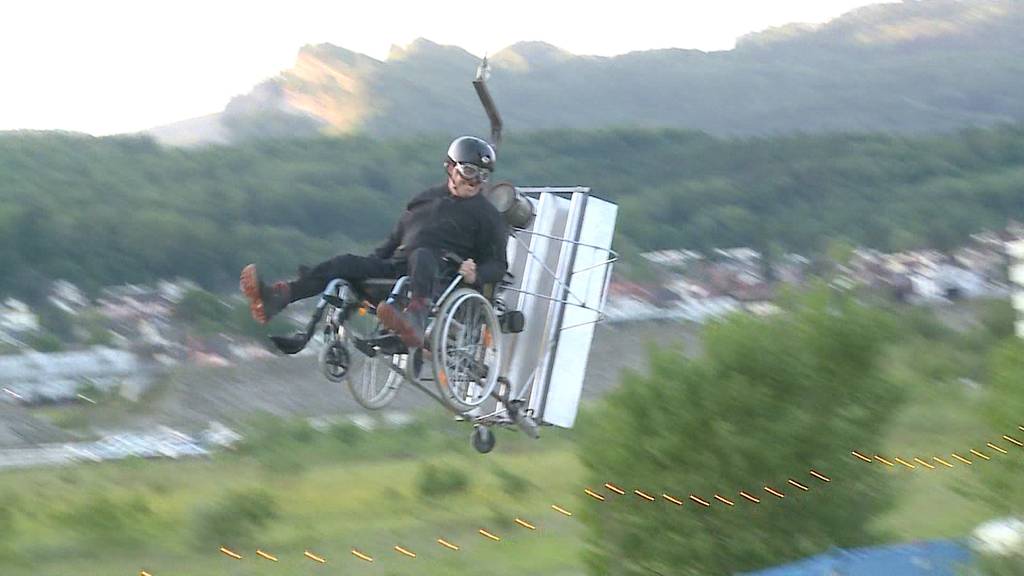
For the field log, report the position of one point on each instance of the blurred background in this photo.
(821, 210)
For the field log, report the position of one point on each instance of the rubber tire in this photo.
(437, 344)
(483, 439)
(328, 369)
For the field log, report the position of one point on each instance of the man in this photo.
(451, 217)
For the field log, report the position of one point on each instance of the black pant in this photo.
(422, 267)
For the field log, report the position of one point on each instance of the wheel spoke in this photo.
(464, 351)
(371, 380)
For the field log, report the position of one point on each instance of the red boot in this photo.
(265, 302)
(409, 324)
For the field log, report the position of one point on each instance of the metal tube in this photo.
(564, 239)
(479, 84)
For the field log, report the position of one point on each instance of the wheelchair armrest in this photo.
(378, 282)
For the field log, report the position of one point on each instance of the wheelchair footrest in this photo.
(386, 344)
(291, 344)
(335, 301)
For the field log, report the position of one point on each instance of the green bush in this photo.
(511, 483)
(71, 420)
(999, 566)
(7, 526)
(96, 329)
(266, 431)
(55, 321)
(107, 520)
(923, 323)
(203, 310)
(234, 519)
(348, 434)
(279, 445)
(441, 480)
(997, 316)
(45, 342)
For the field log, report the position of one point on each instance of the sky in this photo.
(110, 66)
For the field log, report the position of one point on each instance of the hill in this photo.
(912, 67)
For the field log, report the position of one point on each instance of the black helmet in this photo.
(470, 150)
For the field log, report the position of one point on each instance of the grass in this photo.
(370, 503)
(942, 415)
(350, 489)
(329, 508)
(929, 506)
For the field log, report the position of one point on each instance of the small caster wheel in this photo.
(483, 439)
(334, 361)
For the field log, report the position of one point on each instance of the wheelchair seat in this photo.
(374, 290)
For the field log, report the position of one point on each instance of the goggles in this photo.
(472, 172)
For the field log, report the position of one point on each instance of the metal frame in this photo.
(524, 382)
(608, 274)
(511, 407)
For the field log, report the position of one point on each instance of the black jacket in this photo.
(470, 227)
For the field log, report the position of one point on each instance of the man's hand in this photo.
(468, 270)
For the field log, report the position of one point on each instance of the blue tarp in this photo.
(932, 558)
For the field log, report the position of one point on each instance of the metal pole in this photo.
(480, 84)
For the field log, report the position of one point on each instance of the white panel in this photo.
(1015, 249)
(558, 293)
(1017, 274)
(527, 346)
(545, 364)
(577, 327)
(1018, 302)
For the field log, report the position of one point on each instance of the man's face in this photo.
(459, 186)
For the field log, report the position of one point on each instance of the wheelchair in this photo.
(462, 344)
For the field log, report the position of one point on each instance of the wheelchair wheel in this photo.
(372, 383)
(466, 347)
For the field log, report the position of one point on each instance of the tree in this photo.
(56, 322)
(102, 211)
(203, 310)
(770, 400)
(999, 483)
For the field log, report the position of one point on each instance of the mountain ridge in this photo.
(911, 67)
